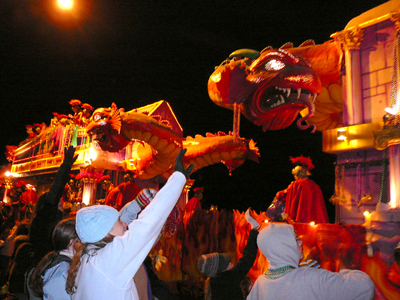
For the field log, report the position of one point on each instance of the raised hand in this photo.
(179, 165)
(69, 157)
(249, 218)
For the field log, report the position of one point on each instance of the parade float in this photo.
(144, 141)
(347, 87)
(357, 110)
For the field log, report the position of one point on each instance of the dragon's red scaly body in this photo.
(157, 145)
(212, 149)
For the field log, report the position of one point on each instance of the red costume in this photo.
(109, 189)
(304, 202)
(303, 198)
(127, 192)
(194, 202)
(86, 114)
(29, 196)
(122, 194)
(111, 197)
(76, 108)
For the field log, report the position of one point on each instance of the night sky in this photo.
(135, 53)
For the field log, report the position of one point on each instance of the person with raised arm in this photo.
(113, 247)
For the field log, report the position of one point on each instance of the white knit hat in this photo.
(94, 222)
(213, 263)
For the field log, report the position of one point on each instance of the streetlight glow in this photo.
(65, 4)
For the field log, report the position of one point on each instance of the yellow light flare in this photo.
(65, 4)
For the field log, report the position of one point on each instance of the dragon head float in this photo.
(271, 87)
(105, 126)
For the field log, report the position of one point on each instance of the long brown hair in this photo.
(82, 249)
(63, 233)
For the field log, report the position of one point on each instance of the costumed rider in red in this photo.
(76, 108)
(195, 202)
(86, 114)
(303, 198)
(123, 193)
(107, 186)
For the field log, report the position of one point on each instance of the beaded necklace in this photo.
(278, 273)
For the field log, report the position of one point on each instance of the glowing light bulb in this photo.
(390, 110)
(65, 4)
(341, 134)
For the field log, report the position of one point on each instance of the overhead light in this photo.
(341, 134)
(391, 110)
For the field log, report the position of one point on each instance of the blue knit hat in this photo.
(94, 222)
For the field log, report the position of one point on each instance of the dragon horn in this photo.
(307, 43)
(287, 45)
(115, 117)
(266, 48)
(249, 53)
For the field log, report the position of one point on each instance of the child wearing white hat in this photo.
(114, 247)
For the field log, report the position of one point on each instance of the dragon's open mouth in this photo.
(276, 107)
(98, 135)
(276, 96)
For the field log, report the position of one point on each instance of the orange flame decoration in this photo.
(334, 246)
(376, 268)
(242, 228)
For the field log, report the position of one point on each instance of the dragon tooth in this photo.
(283, 99)
(298, 93)
(288, 92)
(315, 96)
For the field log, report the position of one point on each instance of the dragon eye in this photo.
(96, 117)
(274, 65)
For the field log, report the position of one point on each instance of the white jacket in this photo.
(109, 274)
